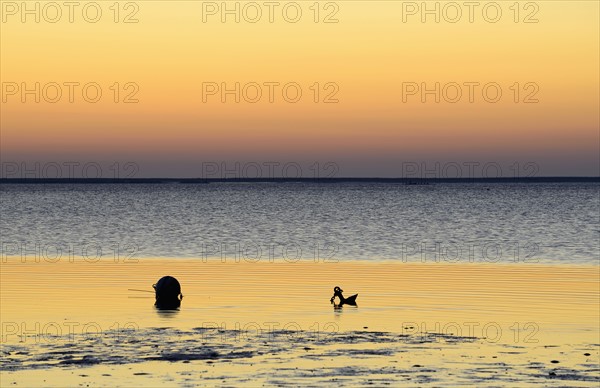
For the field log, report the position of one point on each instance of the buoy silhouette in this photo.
(168, 293)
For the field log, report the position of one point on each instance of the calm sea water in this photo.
(504, 223)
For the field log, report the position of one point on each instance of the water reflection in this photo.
(166, 311)
(560, 218)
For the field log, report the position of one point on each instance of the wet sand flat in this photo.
(271, 323)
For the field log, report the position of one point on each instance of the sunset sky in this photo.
(369, 61)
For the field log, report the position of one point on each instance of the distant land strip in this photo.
(406, 181)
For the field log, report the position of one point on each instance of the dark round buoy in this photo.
(168, 293)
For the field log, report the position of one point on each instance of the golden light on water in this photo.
(517, 312)
(553, 298)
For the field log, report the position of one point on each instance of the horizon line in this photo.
(405, 180)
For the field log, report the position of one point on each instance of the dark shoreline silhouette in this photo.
(406, 181)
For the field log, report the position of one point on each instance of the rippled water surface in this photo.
(556, 223)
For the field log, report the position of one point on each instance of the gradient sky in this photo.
(370, 53)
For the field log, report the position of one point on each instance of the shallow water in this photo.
(175, 357)
(270, 323)
(557, 223)
(509, 296)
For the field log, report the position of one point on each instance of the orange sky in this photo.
(368, 63)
